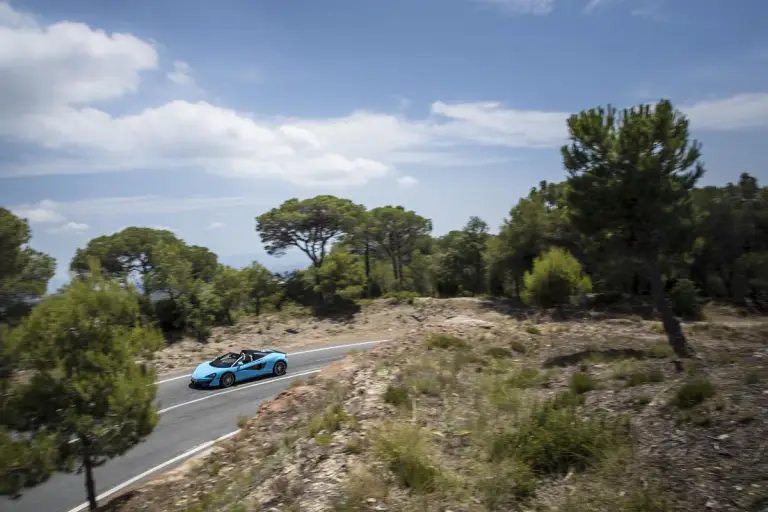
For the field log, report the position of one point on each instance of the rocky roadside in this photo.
(411, 425)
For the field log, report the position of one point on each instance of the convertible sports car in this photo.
(234, 367)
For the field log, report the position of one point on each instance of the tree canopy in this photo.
(311, 225)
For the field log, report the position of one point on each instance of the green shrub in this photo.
(330, 420)
(555, 278)
(398, 297)
(693, 392)
(397, 395)
(402, 447)
(553, 440)
(661, 350)
(581, 383)
(446, 341)
(508, 483)
(684, 299)
(518, 347)
(532, 329)
(526, 378)
(566, 399)
(498, 352)
(644, 377)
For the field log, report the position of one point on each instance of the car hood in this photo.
(204, 369)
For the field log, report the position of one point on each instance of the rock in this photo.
(292, 331)
(723, 437)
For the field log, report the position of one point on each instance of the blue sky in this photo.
(198, 115)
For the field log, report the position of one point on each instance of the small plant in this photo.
(643, 399)
(498, 352)
(330, 420)
(645, 377)
(518, 347)
(752, 377)
(399, 297)
(446, 342)
(324, 439)
(402, 447)
(297, 383)
(508, 483)
(526, 378)
(354, 445)
(661, 350)
(361, 486)
(242, 421)
(567, 399)
(693, 392)
(581, 383)
(398, 396)
(532, 329)
(553, 440)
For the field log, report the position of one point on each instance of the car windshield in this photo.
(225, 361)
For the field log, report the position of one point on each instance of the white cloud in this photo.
(70, 227)
(179, 74)
(43, 212)
(535, 7)
(164, 228)
(52, 77)
(407, 181)
(489, 123)
(748, 110)
(128, 205)
(215, 225)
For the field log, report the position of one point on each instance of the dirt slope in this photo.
(469, 409)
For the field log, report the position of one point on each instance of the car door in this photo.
(251, 370)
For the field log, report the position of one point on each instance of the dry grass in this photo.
(449, 418)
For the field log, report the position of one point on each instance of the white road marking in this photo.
(186, 375)
(239, 388)
(148, 472)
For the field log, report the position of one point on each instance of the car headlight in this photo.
(211, 376)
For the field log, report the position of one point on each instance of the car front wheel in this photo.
(227, 380)
(279, 368)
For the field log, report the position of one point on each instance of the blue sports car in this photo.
(234, 367)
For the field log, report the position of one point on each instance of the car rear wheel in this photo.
(227, 380)
(279, 368)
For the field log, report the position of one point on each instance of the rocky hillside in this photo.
(476, 411)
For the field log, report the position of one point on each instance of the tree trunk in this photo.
(394, 267)
(367, 258)
(258, 306)
(672, 326)
(90, 485)
(400, 271)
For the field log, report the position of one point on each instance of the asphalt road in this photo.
(189, 418)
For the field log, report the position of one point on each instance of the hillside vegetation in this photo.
(474, 410)
(627, 229)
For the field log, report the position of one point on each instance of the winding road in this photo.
(190, 421)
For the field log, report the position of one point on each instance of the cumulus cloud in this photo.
(52, 78)
(535, 7)
(747, 110)
(407, 181)
(44, 212)
(49, 211)
(55, 78)
(215, 225)
(179, 74)
(71, 227)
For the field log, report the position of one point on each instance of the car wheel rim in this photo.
(280, 367)
(227, 380)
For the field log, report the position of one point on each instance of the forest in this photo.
(630, 221)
